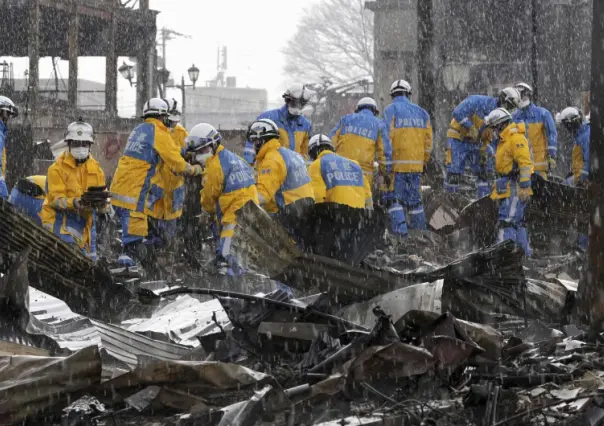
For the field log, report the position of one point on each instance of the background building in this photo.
(449, 49)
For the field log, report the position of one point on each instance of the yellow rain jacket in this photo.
(580, 156)
(137, 183)
(336, 179)
(282, 177)
(228, 184)
(67, 181)
(174, 184)
(410, 134)
(359, 137)
(513, 162)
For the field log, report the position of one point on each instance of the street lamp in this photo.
(127, 71)
(193, 74)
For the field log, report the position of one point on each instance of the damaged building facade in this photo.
(449, 49)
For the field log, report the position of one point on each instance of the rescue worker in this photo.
(294, 127)
(410, 134)
(137, 186)
(174, 184)
(360, 136)
(28, 196)
(8, 110)
(468, 141)
(579, 127)
(336, 179)
(540, 131)
(514, 167)
(284, 186)
(228, 184)
(75, 191)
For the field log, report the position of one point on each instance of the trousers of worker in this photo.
(405, 195)
(223, 247)
(512, 224)
(465, 154)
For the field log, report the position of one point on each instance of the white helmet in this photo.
(79, 131)
(509, 98)
(497, 117)
(173, 110)
(296, 97)
(156, 107)
(316, 142)
(202, 135)
(262, 131)
(570, 117)
(400, 87)
(7, 105)
(367, 103)
(526, 93)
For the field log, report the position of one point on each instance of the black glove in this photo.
(387, 180)
(95, 197)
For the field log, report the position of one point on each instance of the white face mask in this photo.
(294, 111)
(203, 158)
(524, 103)
(80, 153)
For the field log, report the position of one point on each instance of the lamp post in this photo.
(127, 71)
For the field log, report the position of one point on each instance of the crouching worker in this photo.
(514, 167)
(76, 191)
(228, 184)
(28, 196)
(336, 179)
(284, 187)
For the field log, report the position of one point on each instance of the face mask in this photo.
(524, 103)
(80, 153)
(296, 112)
(203, 158)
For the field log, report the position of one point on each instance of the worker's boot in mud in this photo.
(221, 266)
(143, 253)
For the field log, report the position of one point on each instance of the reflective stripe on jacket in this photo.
(282, 177)
(410, 134)
(359, 137)
(228, 184)
(336, 179)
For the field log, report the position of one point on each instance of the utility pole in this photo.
(591, 288)
(166, 35)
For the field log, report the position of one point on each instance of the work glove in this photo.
(193, 170)
(524, 194)
(472, 133)
(95, 197)
(551, 162)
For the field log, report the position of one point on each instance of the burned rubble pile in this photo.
(394, 337)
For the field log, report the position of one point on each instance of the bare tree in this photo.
(334, 41)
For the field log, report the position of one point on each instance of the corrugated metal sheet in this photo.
(182, 320)
(73, 332)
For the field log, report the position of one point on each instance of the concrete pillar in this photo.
(591, 289)
(34, 57)
(111, 67)
(74, 29)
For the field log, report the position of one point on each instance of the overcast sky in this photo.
(254, 32)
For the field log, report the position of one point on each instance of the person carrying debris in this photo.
(8, 110)
(514, 167)
(294, 128)
(137, 184)
(540, 131)
(28, 196)
(228, 184)
(169, 210)
(76, 191)
(336, 179)
(579, 127)
(468, 141)
(360, 136)
(284, 187)
(410, 133)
